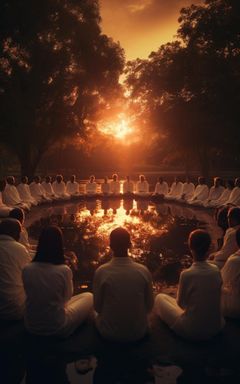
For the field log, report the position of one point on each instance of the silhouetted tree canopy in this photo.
(190, 88)
(56, 70)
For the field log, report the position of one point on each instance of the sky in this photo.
(141, 26)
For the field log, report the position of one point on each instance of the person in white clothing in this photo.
(231, 283)
(4, 209)
(196, 314)
(115, 185)
(105, 187)
(72, 187)
(24, 192)
(222, 200)
(59, 188)
(48, 189)
(13, 258)
(200, 194)
(50, 307)
(234, 198)
(161, 188)
(175, 190)
(38, 192)
(229, 246)
(18, 214)
(142, 186)
(187, 191)
(128, 187)
(11, 196)
(91, 186)
(123, 295)
(215, 193)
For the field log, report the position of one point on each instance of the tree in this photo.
(56, 70)
(190, 88)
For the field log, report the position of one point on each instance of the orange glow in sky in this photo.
(141, 26)
(120, 130)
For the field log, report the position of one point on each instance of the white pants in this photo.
(167, 309)
(77, 310)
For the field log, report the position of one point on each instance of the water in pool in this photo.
(159, 235)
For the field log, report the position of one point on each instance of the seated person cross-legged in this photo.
(196, 314)
(123, 294)
(231, 283)
(50, 307)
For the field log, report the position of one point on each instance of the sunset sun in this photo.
(119, 130)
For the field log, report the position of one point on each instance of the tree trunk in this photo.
(29, 162)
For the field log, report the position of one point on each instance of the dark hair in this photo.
(2, 185)
(230, 183)
(201, 180)
(10, 227)
(222, 218)
(199, 241)
(120, 240)
(50, 246)
(24, 179)
(234, 214)
(18, 214)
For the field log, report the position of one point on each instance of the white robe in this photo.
(11, 197)
(234, 198)
(105, 188)
(38, 192)
(161, 188)
(175, 191)
(228, 248)
(115, 187)
(25, 194)
(128, 187)
(60, 190)
(196, 315)
(72, 188)
(200, 194)
(214, 194)
(142, 188)
(4, 209)
(91, 188)
(48, 190)
(187, 192)
(231, 286)
(222, 200)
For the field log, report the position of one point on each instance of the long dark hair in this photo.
(50, 246)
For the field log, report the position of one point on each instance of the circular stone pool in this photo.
(159, 235)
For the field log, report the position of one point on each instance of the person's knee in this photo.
(158, 302)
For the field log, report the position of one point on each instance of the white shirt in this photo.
(231, 286)
(142, 187)
(199, 295)
(59, 189)
(105, 188)
(48, 189)
(128, 187)
(234, 197)
(123, 297)
(13, 258)
(222, 200)
(187, 191)
(215, 193)
(3, 207)
(161, 188)
(48, 288)
(201, 192)
(37, 191)
(176, 189)
(228, 248)
(72, 188)
(25, 194)
(11, 196)
(91, 187)
(114, 186)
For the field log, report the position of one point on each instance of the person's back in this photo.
(13, 258)
(47, 291)
(123, 297)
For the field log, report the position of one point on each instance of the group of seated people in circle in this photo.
(37, 285)
(25, 195)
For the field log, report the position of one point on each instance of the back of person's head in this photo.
(18, 214)
(201, 180)
(234, 216)
(120, 241)
(230, 184)
(222, 218)
(73, 178)
(237, 182)
(59, 178)
(199, 242)
(48, 179)
(24, 179)
(10, 227)
(2, 185)
(11, 180)
(37, 179)
(50, 246)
